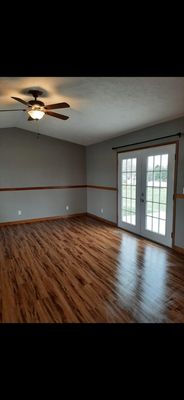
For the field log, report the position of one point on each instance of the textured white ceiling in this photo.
(101, 107)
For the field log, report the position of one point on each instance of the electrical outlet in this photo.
(67, 208)
(101, 210)
(19, 212)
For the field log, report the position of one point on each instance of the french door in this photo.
(145, 192)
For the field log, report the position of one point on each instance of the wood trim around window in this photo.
(176, 196)
(147, 147)
(175, 188)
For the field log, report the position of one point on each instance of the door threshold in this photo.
(145, 238)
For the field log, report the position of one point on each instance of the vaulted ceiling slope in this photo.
(100, 107)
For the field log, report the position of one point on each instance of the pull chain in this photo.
(38, 134)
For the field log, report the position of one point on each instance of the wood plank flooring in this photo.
(83, 270)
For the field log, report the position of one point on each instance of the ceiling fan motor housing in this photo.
(35, 94)
(36, 102)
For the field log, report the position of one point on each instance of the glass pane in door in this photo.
(156, 193)
(128, 181)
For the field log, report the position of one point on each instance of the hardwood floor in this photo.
(83, 270)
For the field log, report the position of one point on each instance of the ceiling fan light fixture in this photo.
(36, 113)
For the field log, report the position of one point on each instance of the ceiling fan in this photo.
(37, 109)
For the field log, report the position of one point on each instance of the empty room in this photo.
(91, 199)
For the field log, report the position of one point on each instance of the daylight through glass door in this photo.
(146, 192)
(156, 193)
(128, 211)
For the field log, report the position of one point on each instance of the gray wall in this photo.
(102, 199)
(101, 170)
(28, 161)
